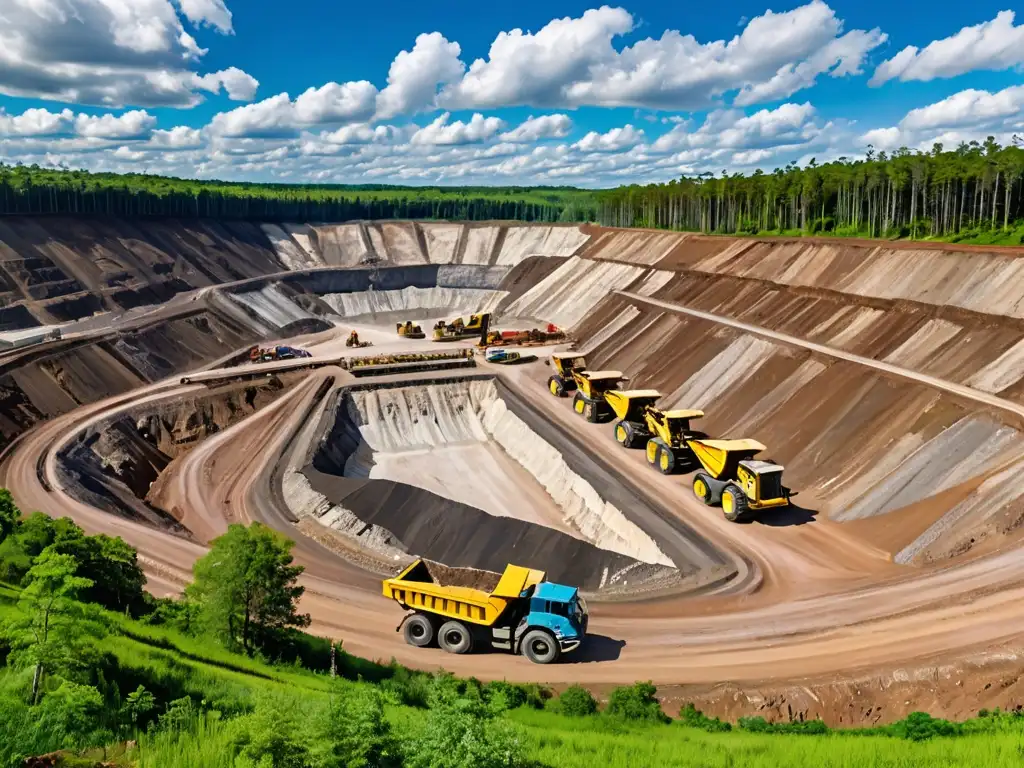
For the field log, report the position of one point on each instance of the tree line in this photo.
(939, 193)
(34, 190)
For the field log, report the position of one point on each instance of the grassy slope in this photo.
(550, 739)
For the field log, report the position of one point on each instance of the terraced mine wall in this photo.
(117, 466)
(920, 471)
(451, 472)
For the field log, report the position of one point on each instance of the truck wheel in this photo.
(556, 386)
(591, 413)
(418, 630)
(624, 434)
(652, 452)
(578, 403)
(734, 503)
(540, 647)
(455, 637)
(666, 460)
(702, 488)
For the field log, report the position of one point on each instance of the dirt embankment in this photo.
(57, 379)
(118, 466)
(62, 268)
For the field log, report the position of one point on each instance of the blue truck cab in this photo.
(556, 613)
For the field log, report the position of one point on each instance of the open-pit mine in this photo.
(886, 379)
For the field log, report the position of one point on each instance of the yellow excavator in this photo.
(410, 330)
(733, 477)
(665, 432)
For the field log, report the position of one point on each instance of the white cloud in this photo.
(537, 128)
(239, 85)
(337, 102)
(107, 52)
(441, 132)
(180, 137)
(786, 125)
(212, 12)
(136, 124)
(361, 133)
(273, 117)
(613, 140)
(415, 75)
(969, 114)
(36, 122)
(572, 62)
(124, 153)
(992, 45)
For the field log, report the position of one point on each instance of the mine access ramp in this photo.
(522, 612)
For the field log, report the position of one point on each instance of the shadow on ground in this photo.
(595, 648)
(787, 516)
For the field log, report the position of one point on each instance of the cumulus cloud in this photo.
(415, 75)
(337, 102)
(110, 53)
(613, 140)
(136, 124)
(273, 117)
(786, 125)
(538, 128)
(36, 122)
(441, 132)
(239, 85)
(965, 115)
(572, 62)
(992, 45)
(180, 137)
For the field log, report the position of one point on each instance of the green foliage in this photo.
(9, 514)
(636, 702)
(462, 733)
(268, 737)
(501, 695)
(246, 587)
(576, 701)
(692, 717)
(760, 725)
(51, 633)
(920, 726)
(352, 731)
(137, 707)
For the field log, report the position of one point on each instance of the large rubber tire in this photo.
(666, 460)
(702, 488)
(591, 413)
(652, 452)
(540, 647)
(625, 435)
(556, 386)
(579, 405)
(455, 637)
(418, 630)
(735, 505)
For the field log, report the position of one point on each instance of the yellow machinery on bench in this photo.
(591, 387)
(561, 382)
(665, 433)
(732, 476)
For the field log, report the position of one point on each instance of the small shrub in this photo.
(920, 726)
(501, 695)
(797, 727)
(576, 701)
(692, 717)
(636, 702)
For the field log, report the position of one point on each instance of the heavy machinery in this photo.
(280, 352)
(353, 341)
(523, 613)
(409, 330)
(462, 329)
(666, 433)
(591, 386)
(502, 356)
(731, 475)
(562, 382)
(532, 337)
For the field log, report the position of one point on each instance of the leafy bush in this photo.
(692, 717)
(576, 701)
(353, 731)
(920, 726)
(463, 734)
(636, 702)
(501, 695)
(760, 725)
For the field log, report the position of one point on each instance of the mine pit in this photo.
(450, 471)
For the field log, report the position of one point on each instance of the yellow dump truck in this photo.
(665, 433)
(733, 477)
(561, 382)
(523, 613)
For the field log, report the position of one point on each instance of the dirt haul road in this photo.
(810, 600)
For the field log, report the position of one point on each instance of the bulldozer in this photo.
(410, 330)
(666, 433)
(733, 477)
(462, 329)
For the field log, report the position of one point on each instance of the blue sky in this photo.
(533, 92)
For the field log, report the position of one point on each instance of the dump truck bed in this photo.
(415, 588)
(720, 457)
(622, 401)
